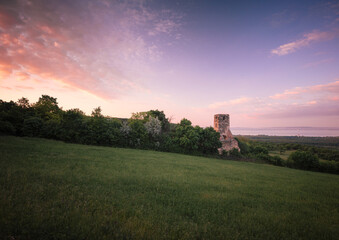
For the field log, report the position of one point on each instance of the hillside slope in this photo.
(51, 189)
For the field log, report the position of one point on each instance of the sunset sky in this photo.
(266, 63)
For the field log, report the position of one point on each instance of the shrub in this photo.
(7, 127)
(263, 156)
(329, 166)
(244, 148)
(258, 150)
(303, 160)
(32, 126)
(51, 129)
(235, 153)
(275, 160)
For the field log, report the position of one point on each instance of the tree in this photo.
(244, 148)
(208, 140)
(145, 117)
(73, 128)
(153, 127)
(138, 134)
(165, 125)
(47, 108)
(11, 113)
(186, 137)
(23, 103)
(32, 126)
(97, 113)
(303, 160)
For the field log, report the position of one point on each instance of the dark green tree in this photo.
(303, 160)
(208, 140)
(186, 137)
(47, 108)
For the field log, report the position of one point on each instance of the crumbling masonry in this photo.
(222, 125)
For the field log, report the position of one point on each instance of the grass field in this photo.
(284, 155)
(54, 190)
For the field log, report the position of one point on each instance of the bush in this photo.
(234, 153)
(7, 127)
(51, 129)
(244, 148)
(258, 150)
(275, 160)
(303, 160)
(329, 166)
(32, 126)
(263, 156)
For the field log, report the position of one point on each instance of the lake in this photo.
(288, 131)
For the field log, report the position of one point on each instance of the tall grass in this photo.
(54, 190)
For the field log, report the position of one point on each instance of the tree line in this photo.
(148, 130)
(144, 130)
(304, 157)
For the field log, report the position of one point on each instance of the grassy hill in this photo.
(54, 190)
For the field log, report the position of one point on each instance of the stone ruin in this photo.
(222, 125)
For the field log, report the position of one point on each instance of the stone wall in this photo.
(222, 125)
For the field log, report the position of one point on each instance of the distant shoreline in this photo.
(288, 131)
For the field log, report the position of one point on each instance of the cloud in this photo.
(312, 109)
(298, 103)
(101, 47)
(22, 76)
(314, 64)
(23, 87)
(308, 38)
(232, 102)
(287, 93)
(323, 89)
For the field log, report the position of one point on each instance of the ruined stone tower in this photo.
(222, 125)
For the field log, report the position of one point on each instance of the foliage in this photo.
(208, 141)
(244, 147)
(148, 130)
(160, 115)
(138, 133)
(329, 166)
(23, 103)
(186, 136)
(7, 127)
(73, 126)
(32, 126)
(235, 153)
(51, 129)
(47, 108)
(258, 150)
(303, 160)
(153, 127)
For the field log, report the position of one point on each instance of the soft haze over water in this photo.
(288, 131)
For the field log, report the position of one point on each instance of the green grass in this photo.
(284, 155)
(54, 190)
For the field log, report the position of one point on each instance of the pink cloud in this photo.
(293, 105)
(287, 93)
(97, 47)
(22, 76)
(330, 88)
(23, 87)
(231, 102)
(314, 64)
(307, 39)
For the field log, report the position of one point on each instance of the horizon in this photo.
(269, 64)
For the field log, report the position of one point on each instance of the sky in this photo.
(266, 63)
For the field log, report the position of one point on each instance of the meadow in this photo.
(55, 190)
